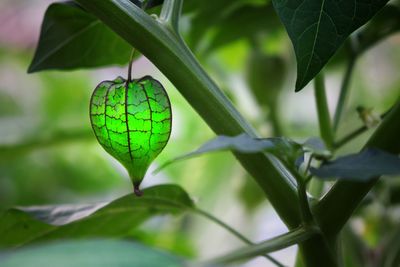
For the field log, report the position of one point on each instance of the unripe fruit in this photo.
(132, 121)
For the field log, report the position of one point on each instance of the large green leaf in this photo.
(318, 28)
(89, 253)
(72, 38)
(115, 219)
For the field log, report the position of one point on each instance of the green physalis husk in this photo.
(132, 121)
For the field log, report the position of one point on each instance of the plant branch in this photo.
(233, 232)
(170, 14)
(282, 241)
(325, 126)
(347, 194)
(344, 91)
(305, 212)
(174, 59)
(344, 88)
(354, 134)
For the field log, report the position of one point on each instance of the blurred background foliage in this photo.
(48, 153)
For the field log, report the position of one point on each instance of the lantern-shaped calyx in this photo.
(132, 121)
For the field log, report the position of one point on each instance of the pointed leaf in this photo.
(318, 28)
(362, 166)
(22, 226)
(71, 38)
(281, 147)
(89, 253)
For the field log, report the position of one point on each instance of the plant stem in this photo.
(129, 79)
(354, 134)
(282, 241)
(325, 126)
(344, 91)
(233, 232)
(316, 187)
(170, 13)
(305, 212)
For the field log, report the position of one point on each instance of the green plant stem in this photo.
(175, 60)
(324, 120)
(233, 232)
(346, 194)
(293, 237)
(350, 137)
(305, 211)
(354, 134)
(316, 187)
(344, 92)
(170, 13)
(129, 79)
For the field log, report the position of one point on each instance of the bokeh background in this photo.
(49, 155)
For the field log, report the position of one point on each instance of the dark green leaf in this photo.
(281, 147)
(21, 226)
(89, 253)
(318, 28)
(385, 23)
(362, 166)
(71, 38)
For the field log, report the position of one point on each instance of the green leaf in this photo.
(26, 225)
(318, 28)
(362, 166)
(385, 23)
(89, 253)
(283, 148)
(71, 38)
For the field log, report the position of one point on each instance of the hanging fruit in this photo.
(132, 121)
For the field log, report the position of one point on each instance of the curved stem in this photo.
(233, 232)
